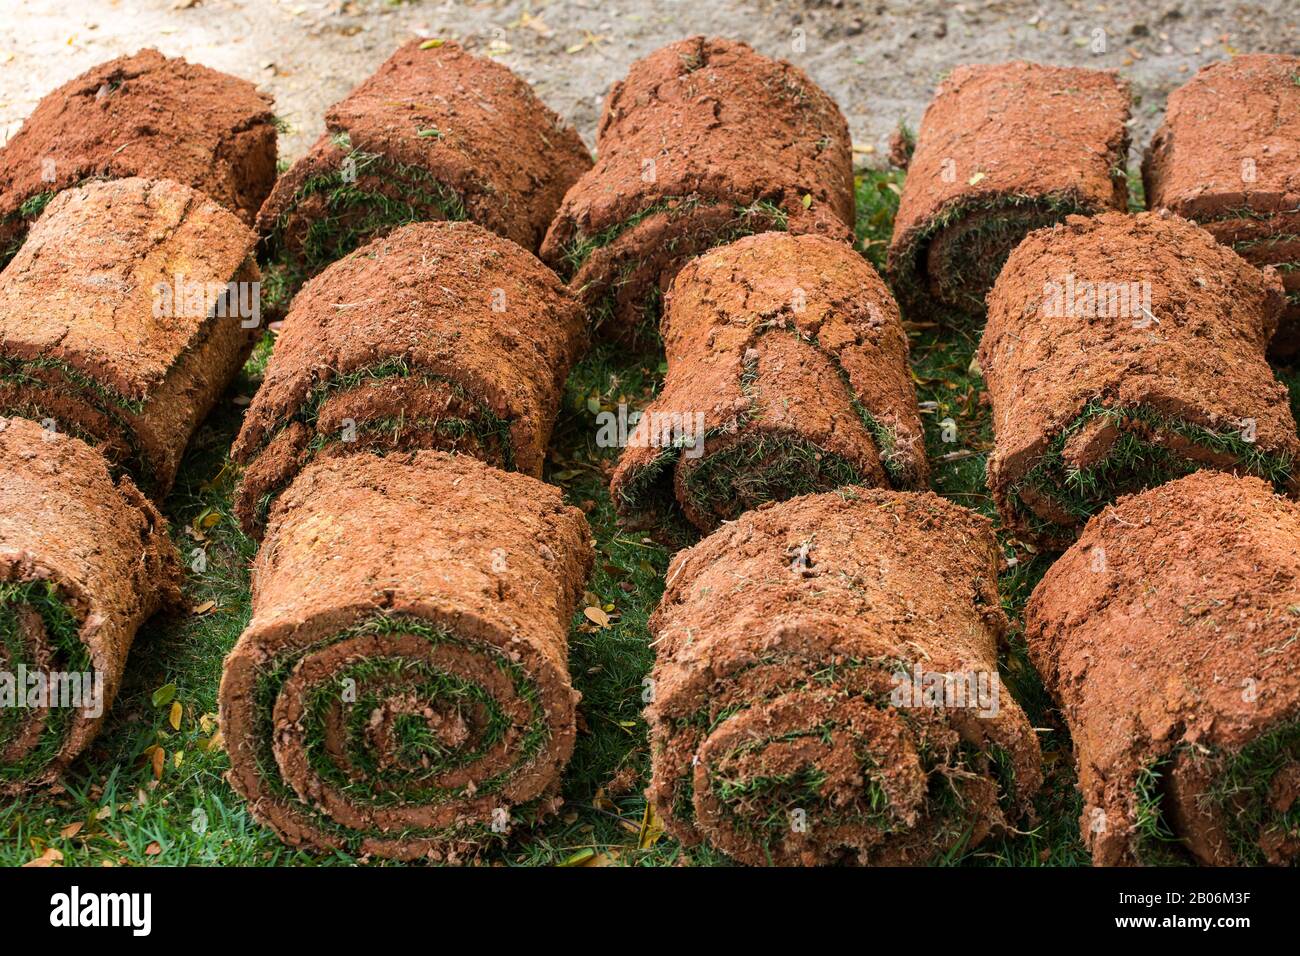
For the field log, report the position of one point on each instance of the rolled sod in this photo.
(403, 689)
(1167, 635)
(434, 134)
(144, 115)
(1122, 352)
(787, 374)
(1002, 150)
(125, 315)
(703, 142)
(439, 335)
(84, 561)
(1228, 156)
(797, 714)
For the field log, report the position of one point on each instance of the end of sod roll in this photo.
(403, 689)
(826, 686)
(84, 561)
(1167, 635)
(787, 374)
(1122, 352)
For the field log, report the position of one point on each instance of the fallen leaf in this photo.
(203, 608)
(596, 616)
(432, 44)
(153, 849)
(163, 695)
(174, 718)
(71, 830)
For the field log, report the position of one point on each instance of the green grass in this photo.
(191, 816)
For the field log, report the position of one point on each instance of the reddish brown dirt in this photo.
(724, 129)
(465, 121)
(79, 338)
(1168, 632)
(775, 339)
(777, 641)
(492, 563)
(1228, 156)
(143, 115)
(477, 327)
(1002, 150)
(65, 522)
(1195, 355)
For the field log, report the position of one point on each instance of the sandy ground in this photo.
(880, 58)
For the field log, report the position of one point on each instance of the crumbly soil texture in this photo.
(1122, 352)
(1002, 150)
(787, 374)
(403, 688)
(1228, 156)
(124, 317)
(434, 134)
(145, 115)
(84, 560)
(1167, 634)
(704, 141)
(783, 642)
(440, 335)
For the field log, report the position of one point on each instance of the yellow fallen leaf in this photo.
(432, 44)
(651, 828)
(174, 718)
(976, 178)
(71, 830)
(203, 608)
(596, 616)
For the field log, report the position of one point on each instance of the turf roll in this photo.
(439, 335)
(787, 374)
(403, 689)
(125, 315)
(1167, 635)
(143, 115)
(703, 142)
(1122, 352)
(434, 134)
(1228, 156)
(825, 685)
(1003, 150)
(84, 561)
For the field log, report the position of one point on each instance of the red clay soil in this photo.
(430, 122)
(1002, 150)
(403, 688)
(84, 561)
(143, 115)
(789, 355)
(80, 340)
(1122, 351)
(440, 335)
(704, 141)
(1167, 634)
(1228, 156)
(784, 727)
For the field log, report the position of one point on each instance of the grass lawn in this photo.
(152, 788)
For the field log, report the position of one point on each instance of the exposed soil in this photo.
(142, 115)
(87, 340)
(788, 355)
(403, 687)
(777, 644)
(1123, 351)
(1228, 156)
(434, 134)
(1167, 633)
(84, 560)
(1002, 150)
(704, 141)
(439, 335)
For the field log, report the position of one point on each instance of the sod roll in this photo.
(125, 315)
(143, 115)
(825, 685)
(84, 561)
(439, 335)
(1167, 634)
(1002, 150)
(1228, 156)
(787, 374)
(403, 689)
(434, 134)
(703, 142)
(1122, 352)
